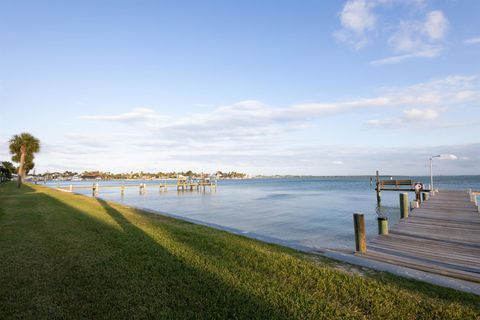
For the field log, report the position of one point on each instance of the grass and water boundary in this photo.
(69, 256)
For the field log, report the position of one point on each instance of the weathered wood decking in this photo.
(442, 236)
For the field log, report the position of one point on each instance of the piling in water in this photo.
(382, 225)
(425, 196)
(403, 205)
(359, 226)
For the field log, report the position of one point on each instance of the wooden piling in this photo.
(359, 226)
(382, 225)
(414, 205)
(425, 196)
(403, 205)
(94, 189)
(379, 199)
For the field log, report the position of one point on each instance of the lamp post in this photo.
(441, 156)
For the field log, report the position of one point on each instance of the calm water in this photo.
(298, 212)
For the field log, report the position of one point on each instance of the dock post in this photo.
(379, 199)
(403, 205)
(425, 196)
(359, 226)
(382, 225)
(122, 189)
(418, 197)
(95, 189)
(414, 205)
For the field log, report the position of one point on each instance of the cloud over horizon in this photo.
(253, 119)
(251, 134)
(360, 21)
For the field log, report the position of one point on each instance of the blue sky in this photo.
(264, 87)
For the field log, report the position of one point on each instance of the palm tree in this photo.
(22, 147)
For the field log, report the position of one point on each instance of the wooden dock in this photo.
(181, 185)
(442, 236)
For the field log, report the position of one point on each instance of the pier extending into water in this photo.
(440, 236)
(183, 184)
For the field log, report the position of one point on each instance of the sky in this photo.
(261, 87)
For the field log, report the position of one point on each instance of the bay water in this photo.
(310, 213)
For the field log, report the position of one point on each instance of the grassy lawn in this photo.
(70, 256)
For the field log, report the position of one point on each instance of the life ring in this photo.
(418, 186)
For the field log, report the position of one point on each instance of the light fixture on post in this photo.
(440, 156)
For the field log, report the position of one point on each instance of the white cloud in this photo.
(258, 138)
(357, 19)
(338, 162)
(419, 114)
(436, 25)
(426, 101)
(420, 37)
(410, 116)
(472, 41)
(137, 114)
(427, 53)
(387, 122)
(252, 120)
(417, 39)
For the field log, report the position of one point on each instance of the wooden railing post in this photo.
(382, 225)
(359, 226)
(403, 205)
(425, 196)
(379, 198)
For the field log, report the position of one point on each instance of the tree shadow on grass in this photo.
(74, 265)
(207, 295)
(217, 249)
(69, 261)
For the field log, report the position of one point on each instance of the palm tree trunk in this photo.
(20, 167)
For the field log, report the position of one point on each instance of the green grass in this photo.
(70, 256)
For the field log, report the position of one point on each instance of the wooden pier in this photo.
(182, 184)
(441, 236)
(398, 185)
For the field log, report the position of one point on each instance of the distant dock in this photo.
(183, 184)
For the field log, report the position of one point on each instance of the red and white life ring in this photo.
(418, 186)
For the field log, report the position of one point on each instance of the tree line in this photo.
(24, 146)
(137, 175)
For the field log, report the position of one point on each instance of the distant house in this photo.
(91, 177)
